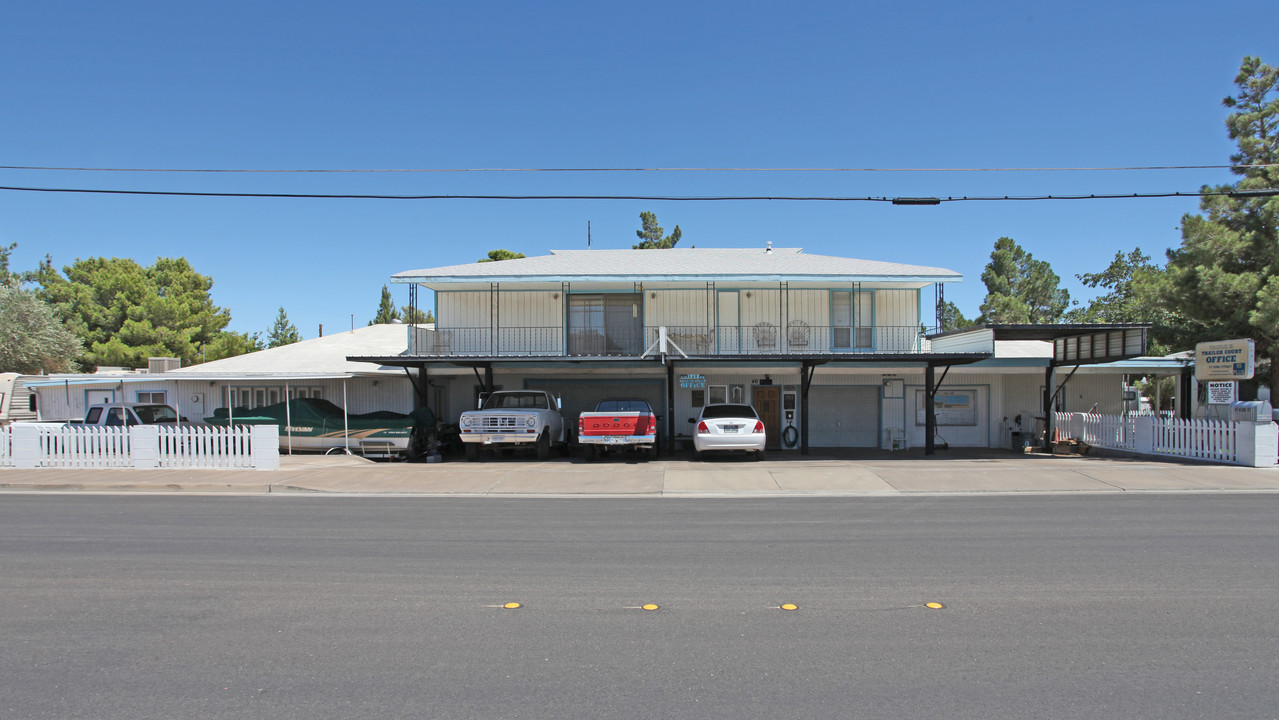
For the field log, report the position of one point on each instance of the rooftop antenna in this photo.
(588, 234)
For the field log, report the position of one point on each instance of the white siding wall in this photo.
(530, 321)
(465, 318)
(679, 309)
(896, 320)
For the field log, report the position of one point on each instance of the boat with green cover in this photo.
(316, 425)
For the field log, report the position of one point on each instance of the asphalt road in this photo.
(1149, 606)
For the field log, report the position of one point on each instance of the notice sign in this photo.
(1222, 392)
(695, 382)
(1225, 360)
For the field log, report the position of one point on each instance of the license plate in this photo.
(614, 440)
(730, 428)
(498, 438)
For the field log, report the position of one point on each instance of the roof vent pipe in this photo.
(768, 248)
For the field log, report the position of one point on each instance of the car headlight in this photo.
(531, 421)
(466, 421)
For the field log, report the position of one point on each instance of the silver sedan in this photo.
(728, 427)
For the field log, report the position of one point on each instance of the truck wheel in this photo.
(544, 446)
(472, 452)
(651, 454)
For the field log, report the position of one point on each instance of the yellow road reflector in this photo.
(649, 606)
(512, 606)
(934, 606)
(790, 606)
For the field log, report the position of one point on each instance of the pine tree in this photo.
(282, 332)
(1223, 281)
(497, 255)
(386, 311)
(650, 234)
(1019, 288)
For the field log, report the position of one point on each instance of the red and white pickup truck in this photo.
(618, 424)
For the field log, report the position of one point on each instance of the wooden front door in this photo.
(767, 401)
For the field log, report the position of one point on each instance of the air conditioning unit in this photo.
(162, 365)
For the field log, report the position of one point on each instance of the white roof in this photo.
(681, 264)
(316, 358)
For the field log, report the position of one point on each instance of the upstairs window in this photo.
(852, 321)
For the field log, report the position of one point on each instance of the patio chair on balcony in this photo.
(798, 333)
(765, 335)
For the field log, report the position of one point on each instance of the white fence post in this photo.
(266, 447)
(144, 446)
(26, 446)
(1144, 429)
(1076, 426)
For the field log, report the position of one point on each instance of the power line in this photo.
(640, 169)
(1265, 192)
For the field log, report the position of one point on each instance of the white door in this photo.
(729, 319)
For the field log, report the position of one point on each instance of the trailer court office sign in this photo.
(1225, 360)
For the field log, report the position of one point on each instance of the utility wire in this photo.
(642, 169)
(1266, 192)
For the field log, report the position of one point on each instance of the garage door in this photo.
(843, 416)
(578, 396)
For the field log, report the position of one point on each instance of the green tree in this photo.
(1223, 281)
(125, 313)
(1124, 301)
(651, 234)
(951, 318)
(230, 344)
(1019, 288)
(32, 339)
(415, 316)
(6, 277)
(495, 255)
(282, 332)
(386, 311)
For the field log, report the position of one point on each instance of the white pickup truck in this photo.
(514, 418)
(117, 414)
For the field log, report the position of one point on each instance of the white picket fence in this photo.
(1118, 432)
(1235, 443)
(243, 447)
(1198, 439)
(83, 446)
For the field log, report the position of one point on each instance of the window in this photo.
(952, 407)
(151, 396)
(115, 418)
(718, 394)
(605, 324)
(699, 397)
(256, 397)
(852, 320)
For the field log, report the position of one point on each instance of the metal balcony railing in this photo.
(764, 338)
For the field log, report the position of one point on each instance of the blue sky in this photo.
(424, 85)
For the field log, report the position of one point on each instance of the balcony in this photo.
(696, 341)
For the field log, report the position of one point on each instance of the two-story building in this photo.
(831, 351)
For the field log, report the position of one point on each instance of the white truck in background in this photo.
(513, 419)
(118, 414)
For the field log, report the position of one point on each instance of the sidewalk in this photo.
(854, 473)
